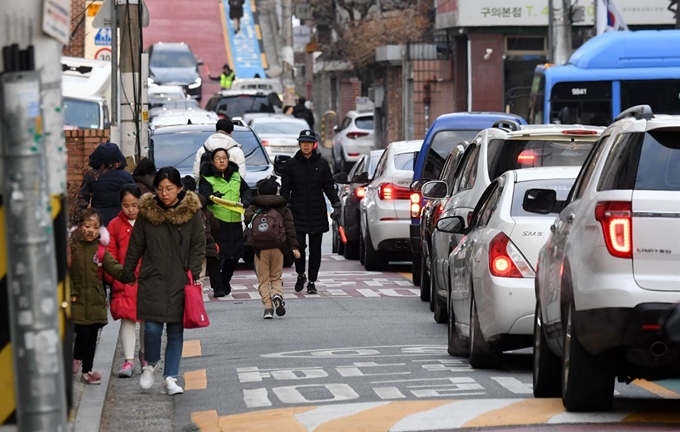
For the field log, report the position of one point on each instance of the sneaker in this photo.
(227, 289)
(92, 378)
(280, 305)
(268, 314)
(77, 364)
(146, 380)
(170, 386)
(300, 282)
(127, 370)
(311, 288)
(218, 294)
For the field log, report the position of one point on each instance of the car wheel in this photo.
(440, 312)
(457, 346)
(352, 250)
(483, 355)
(373, 260)
(417, 269)
(424, 281)
(362, 249)
(545, 365)
(587, 380)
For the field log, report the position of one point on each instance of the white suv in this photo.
(353, 138)
(609, 273)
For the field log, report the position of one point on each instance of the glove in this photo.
(336, 212)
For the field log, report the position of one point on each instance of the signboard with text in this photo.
(97, 40)
(483, 13)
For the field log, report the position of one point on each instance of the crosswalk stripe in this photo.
(513, 384)
(191, 348)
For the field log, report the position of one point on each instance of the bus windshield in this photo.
(587, 103)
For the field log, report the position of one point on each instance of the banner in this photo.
(609, 17)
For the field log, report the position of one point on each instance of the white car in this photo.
(279, 133)
(159, 95)
(182, 117)
(384, 210)
(492, 268)
(610, 272)
(492, 152)
(353, 138)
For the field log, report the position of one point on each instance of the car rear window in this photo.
(404, 161)
(441, 145)
(236, 106)
(505, 155)
(561, 186)
(364, 123)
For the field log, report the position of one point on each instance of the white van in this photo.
(86, 92)
(267, 85)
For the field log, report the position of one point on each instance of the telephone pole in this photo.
(559, 35)
(130, 77)
(287, 56)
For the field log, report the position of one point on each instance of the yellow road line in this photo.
(206, 421)
(378, 419)
(225, 33)
(527, 411)
(284, 419)
(258, 32)
(191, 348)
(253, 6)
(8, 404)
(263, 58)
(657, 389)
(195, 380)
(407, 275)
(654, 416)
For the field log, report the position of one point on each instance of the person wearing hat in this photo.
(226, 78)
(305, 178)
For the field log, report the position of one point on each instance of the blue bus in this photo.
(608, 74)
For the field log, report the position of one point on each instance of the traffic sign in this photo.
(103, 54)
(103, 37)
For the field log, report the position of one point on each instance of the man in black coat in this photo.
(306, 177)
(301, 111)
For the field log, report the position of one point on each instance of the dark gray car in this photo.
(175, 64)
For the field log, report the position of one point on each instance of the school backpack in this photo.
(265, 230)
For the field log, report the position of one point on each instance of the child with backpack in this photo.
(270, 231)
(89, 258)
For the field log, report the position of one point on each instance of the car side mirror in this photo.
(341, 178)
(541, 201)
(361, 178)
(417, 185)
(279, 162)
(451, 224)
(434, 189)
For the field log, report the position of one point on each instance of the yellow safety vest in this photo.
(231, 190)
(226, 80)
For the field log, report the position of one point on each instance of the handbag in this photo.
(195, 315)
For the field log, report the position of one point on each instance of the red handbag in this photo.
(195, 315)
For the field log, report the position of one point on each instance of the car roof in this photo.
(277, 118)
(558, 129)
(197, 128)
(249, 92)
(377, 152)
(355, 113)
(545, 173)
(406, 146)
(171, 46)
(473, 120)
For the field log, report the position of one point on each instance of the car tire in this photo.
(587, 380)
(352, 250)
(545, 364)
(440, 313)
(362, 249)
(416, 269)
(424, 281)
(373, 259)
(483, 355)
(457, 346)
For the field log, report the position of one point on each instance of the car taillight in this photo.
(389, 191)
(579, 132)
(527, 157)
(415, 205)
(617, 226)
(360, 192)
(355, 135)
(505, 260)
(265, 142)
(437, 213)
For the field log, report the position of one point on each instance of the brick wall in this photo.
(393, 93)
(350, 89)
(79, 145)
(76, 48)
(487, 75)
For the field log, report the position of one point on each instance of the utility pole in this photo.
(114, 134)
(31, 129)
(130, 73)
(559, 35)
(288, 56)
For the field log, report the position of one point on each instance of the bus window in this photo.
(536, 100)
(662, 95)
(588, 103)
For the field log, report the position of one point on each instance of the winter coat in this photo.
(279, 203)
(212, 230)
(102, 192)
(303, 183)
(230, 237)
(145, 183)
(236, 8)
(220, 140)
(86, 284)
(301, 111)
(124, 296)
(169, 241)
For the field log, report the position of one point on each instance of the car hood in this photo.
(163, 75)
(257, 173)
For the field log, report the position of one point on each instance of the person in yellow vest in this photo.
(221, 178)
(226, 78)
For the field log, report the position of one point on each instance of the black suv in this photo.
(235, 103)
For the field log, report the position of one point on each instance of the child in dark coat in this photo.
(269, 262)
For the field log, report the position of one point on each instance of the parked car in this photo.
(353, 138)
(446, 131)
(236, 103)
(179, 117)
(492, 152)
(279, 133)
(267, 85)
(175, 64)
(608, 275)
(175, 105)
(162, 94)
(491, 269)
(352, 191)
(384, 210)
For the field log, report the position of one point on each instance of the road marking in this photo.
(191, 348)
(256, 398)
(195, 380)
(206, 421)
(367, 292)
(655, 416)
(225, 33)
(283, 419)
(657, 389)
(291, 394)
(567, 417)
(524, 412)
(338, 257)
(389, 393)
(317, 416)
(448, 416)
(514, 385)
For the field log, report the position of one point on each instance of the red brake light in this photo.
(617, 226)
(527, 157)
(389, 191)
(355, 135)
(265, 142)
(360, 192)
(505, 260)
(415, 205)
(353, 154)
(579, 132)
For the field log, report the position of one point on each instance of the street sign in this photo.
(57, 19)
(103, 54)
(303, 11)
(103, 17)
(103, 37)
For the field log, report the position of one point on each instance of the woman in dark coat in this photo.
(144, 173)
(221, 179)
(236, 13)
(169, 238)
(101, 186)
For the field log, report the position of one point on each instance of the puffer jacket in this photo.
(220, 140)
(124, 296)
(304, 181)
(279, 204)
(170, 241)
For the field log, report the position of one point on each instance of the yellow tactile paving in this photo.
(657, 389)
(526, 411)
(284, 419)
(407, 275)
(191, 348)
(195, 380)
(206, 421)
(378, 419)
(655, 416)
(258, 32)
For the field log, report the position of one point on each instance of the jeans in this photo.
(173, 350)
(314, 254)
